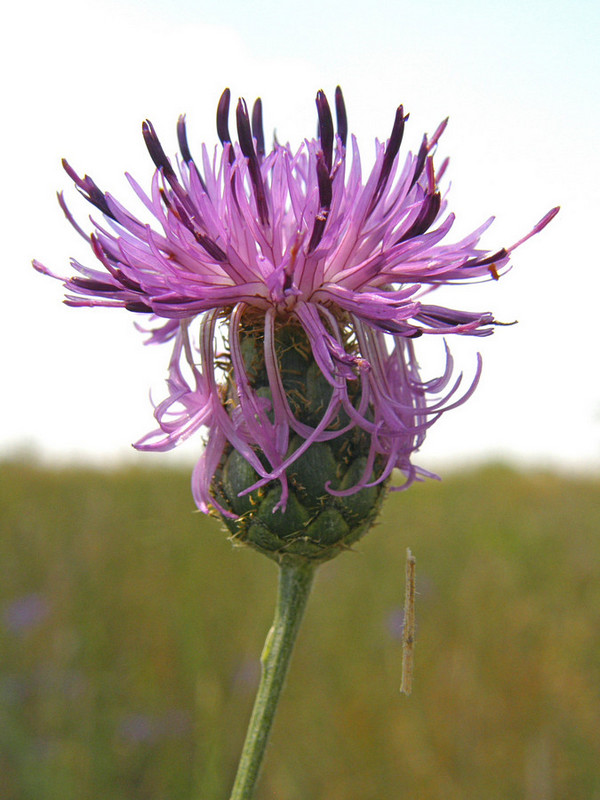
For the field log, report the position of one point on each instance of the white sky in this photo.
(521, 85)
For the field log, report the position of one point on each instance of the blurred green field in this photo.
(131, 632)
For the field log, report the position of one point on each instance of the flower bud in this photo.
(312, 522)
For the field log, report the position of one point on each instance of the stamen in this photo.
(211, 247)
(88, 189)
(165, 199)
(325, 196)
(157, 154)
(103, 255)
(139, 308)
(243, 128)
(340, 113)
(325, 128)
(162, 163)
(91, 285)
(391, 151)
(483, 262)
(247, 147)
(427, 214)
(185, 150)
(223, 117)
(423, 150)
(182, 139)
(257, 127)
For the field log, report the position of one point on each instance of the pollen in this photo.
(492, 269)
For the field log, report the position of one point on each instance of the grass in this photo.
(131, 633)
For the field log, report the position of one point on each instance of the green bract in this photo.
(315, 525)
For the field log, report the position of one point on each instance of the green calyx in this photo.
(315, 524)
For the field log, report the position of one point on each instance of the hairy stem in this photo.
(295, 580)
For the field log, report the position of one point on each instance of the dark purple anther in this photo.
(482, 262)
(423, 150)
(427, 214)
(257, 127)
(450, 316)
(185, 150)
(138, 308)
(182, 139)
(340, 113)
(211, 247)
(325, 196)
(91, 285)
(391, 151)
(325, 189)
(247, 147)
(157, 154)
(223, 117)
(88, 189)
(243, 128)
(325, 128)
(109, 261)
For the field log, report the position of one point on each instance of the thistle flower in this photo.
(293, 290)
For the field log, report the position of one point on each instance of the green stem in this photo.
(295, 580)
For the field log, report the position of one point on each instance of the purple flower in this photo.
(290, 236)
(25, 612)
(150, 728)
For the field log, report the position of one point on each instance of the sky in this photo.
(520, 83)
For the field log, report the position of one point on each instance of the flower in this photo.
(248, 244)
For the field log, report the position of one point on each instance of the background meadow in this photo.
(131, 632)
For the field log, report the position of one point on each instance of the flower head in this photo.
(253, 254)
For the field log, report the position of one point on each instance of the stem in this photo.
(295, 580)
